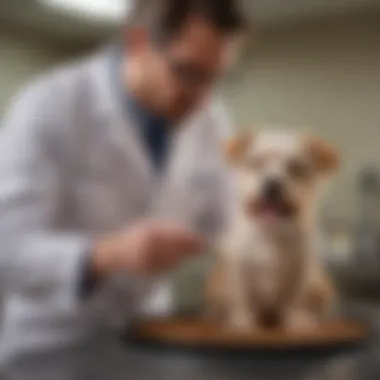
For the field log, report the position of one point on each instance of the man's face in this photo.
(181, 73)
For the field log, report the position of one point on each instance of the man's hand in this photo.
(148, 248)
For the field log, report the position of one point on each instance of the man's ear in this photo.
(325, 157)
(236, 147)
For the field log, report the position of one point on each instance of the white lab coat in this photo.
(72, 167)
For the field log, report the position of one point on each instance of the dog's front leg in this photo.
(298, 317)
(311, 302)
(301, 320)
(320, 296)
(240, 315)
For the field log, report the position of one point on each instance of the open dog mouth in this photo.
(270, 210)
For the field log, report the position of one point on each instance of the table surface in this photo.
(195, 333)
(353, 364)
(166, 362)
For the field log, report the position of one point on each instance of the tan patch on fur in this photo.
(235, 147)
(324, 155)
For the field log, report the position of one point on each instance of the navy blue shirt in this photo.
(153, 129)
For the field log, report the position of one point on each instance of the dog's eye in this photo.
(298, 170)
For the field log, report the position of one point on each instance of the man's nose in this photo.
(273, 189)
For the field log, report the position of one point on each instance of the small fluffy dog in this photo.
(268, 269)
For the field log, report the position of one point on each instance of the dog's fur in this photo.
(268, 269)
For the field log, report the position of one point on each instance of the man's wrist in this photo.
(104, 258)
(96, 266)
(89, 279)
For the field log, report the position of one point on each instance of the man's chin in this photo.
(180, 112)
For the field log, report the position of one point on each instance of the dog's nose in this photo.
(273, 189)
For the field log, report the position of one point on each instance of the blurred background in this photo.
(311, 64)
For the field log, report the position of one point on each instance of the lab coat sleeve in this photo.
(35, 259)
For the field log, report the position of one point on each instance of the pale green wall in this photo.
(22, 56)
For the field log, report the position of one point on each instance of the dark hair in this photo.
(164, 18)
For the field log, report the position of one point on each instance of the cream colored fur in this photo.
(273, 266)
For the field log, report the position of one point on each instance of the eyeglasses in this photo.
(191, 76)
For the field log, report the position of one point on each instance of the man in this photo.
(111, 176)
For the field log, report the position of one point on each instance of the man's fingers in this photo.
(170, 245)
(181, 239)
(192, 244)
(186, 241)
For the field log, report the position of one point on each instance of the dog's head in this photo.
(279, 174)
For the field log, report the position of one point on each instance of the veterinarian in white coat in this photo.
(86, 192)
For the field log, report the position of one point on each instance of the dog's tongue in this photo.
(270, 213)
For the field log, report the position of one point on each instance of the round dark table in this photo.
(164, 362)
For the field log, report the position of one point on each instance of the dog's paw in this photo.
(321, 296)
(241, 322)
(301, 322)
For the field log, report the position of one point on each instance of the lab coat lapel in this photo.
(164, 191)
(120, 127)
(171, 198)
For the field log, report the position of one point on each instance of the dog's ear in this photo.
(324, 156)
(236, 147)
